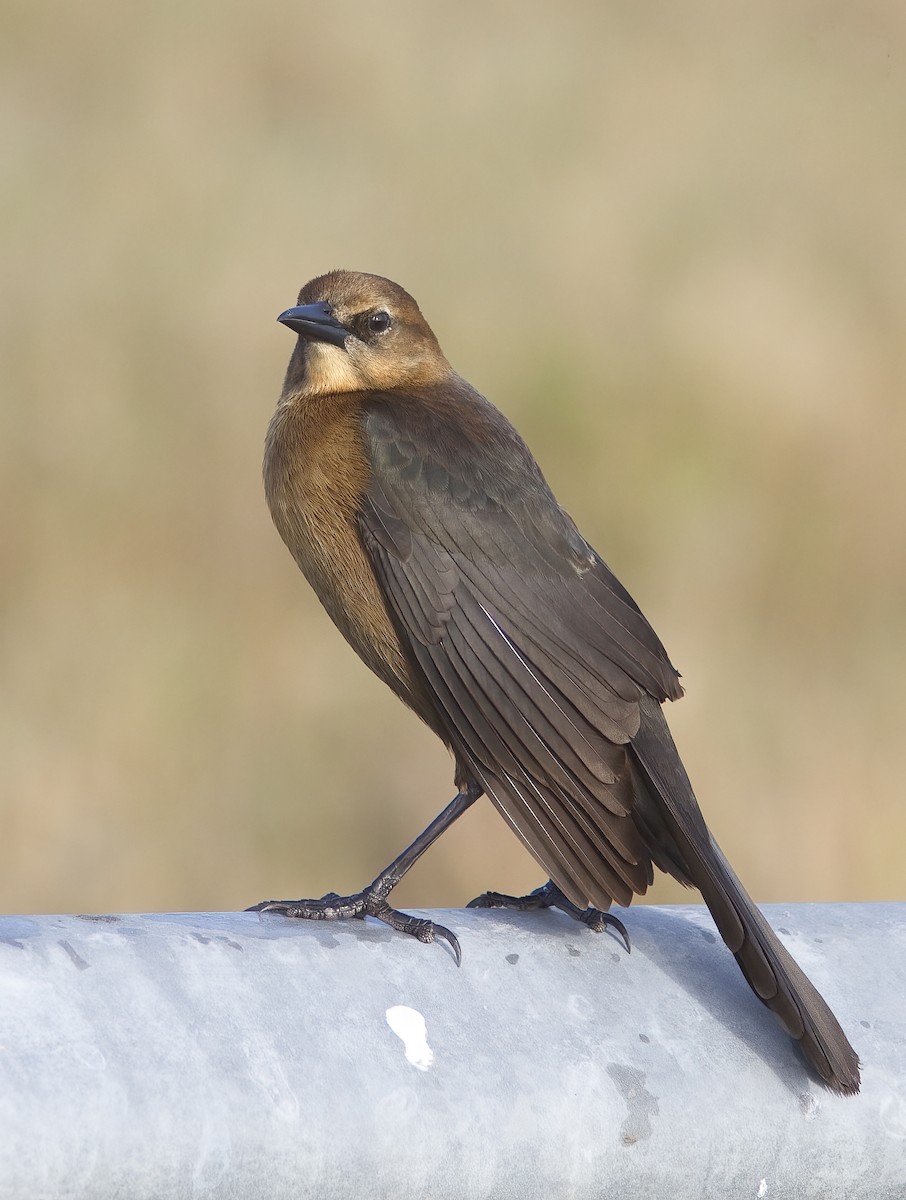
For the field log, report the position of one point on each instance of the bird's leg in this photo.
(372, 902)
(550, 896)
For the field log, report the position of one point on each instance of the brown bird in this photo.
(425, 526)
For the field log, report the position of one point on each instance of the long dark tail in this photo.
(768, 967)
(775, 977)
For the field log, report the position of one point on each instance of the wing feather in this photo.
(534, 662)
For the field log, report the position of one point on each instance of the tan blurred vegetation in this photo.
(668, 240)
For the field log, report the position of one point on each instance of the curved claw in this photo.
(448, 936)
(268, 906)
(487, 900)
(421, 928)
(598, 921)
(539, 898)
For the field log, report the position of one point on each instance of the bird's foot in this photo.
(370, 903)
(550, 896)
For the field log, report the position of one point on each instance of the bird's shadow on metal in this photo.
(694, 956)
(682, 946)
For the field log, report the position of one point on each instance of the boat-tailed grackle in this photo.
(424, 524)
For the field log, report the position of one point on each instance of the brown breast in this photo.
(315, 472)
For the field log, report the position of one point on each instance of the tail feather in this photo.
(776, 978)
(768, 967)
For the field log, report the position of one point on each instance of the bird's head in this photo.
(359, 333)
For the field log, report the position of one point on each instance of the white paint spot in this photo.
(409, 1026)
(762, 1189)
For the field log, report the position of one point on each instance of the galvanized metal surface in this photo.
(232, 1055)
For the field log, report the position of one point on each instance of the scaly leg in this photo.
(372, 902)
(550, 896)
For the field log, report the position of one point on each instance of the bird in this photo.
(427, 530)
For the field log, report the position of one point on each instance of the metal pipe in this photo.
(245, 1055)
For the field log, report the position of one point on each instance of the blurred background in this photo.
(668, 241)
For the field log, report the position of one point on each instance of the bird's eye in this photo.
(379, 322)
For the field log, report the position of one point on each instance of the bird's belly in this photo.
(332, 561)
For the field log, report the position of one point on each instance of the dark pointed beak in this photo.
(315, 321)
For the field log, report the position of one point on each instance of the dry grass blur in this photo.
(667, 240)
